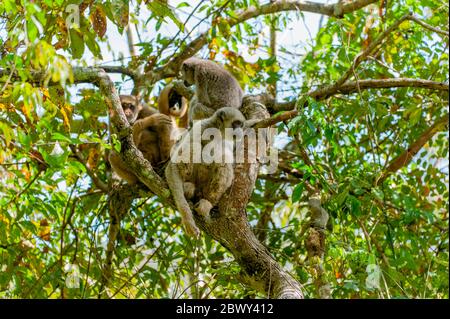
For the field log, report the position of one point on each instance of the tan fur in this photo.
(205, 182)
(215, 87)
(174, 105)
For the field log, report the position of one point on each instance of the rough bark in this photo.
(229, 226)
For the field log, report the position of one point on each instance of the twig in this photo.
(404, 158)
(330, 90)
(427, 26)
(97, 181)
(333, 10)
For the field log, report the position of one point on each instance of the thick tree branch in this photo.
(355, 86)
(119, 69)
(130, 153)
(403, 159)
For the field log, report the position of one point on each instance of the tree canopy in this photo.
(357, 207)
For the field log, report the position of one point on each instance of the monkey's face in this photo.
(231, 118)
(130, 111)
(174, 109)
(187, 74)
(130, 107)
(175, 103)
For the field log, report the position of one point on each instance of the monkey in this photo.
(173, 104)
(152, 135)
(215, 88)
(207, 181)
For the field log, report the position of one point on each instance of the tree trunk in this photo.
(229, 226)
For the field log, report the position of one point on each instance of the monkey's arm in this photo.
(165, 131)
(199, 111)
(148, 122)
(175, 183)
(201, 84)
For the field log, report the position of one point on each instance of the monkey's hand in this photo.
(189, 190)
(191, 228)
(251, 123)
(163, 120)
(203, 207)
(152, 120)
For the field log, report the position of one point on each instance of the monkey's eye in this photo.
(237, 124)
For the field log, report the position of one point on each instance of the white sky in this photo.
(294, 38)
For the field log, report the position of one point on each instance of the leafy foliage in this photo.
(54, 219)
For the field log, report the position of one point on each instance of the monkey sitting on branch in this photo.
(191, 176)
(152, 135)
(215, 88)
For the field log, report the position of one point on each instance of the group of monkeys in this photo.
(218, 97)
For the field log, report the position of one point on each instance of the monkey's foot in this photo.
(191, 228)
(189, 190)
(203, 207)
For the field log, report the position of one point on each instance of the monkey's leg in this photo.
(189, 190)
(165, 141)
(121, 169)
(176, 186)
(220, 181)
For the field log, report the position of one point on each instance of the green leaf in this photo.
(161, 10)
(297, 192)
(76, 44)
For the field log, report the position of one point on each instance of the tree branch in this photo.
(364, 54)
(97, 181)
(349, 88)
(276, 119)
(355, 86)
(119, 69)
(337, 10)
(429, 27)
(403, 159)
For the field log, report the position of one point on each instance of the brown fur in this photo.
(152, 134)
(174, 105)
